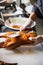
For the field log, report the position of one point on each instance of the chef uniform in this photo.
(38, 10)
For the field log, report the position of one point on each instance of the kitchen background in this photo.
(29, 5)
(23, 55)
(39, 26)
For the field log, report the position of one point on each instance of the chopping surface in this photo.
(23, 55)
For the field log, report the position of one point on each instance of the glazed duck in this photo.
(22, 39)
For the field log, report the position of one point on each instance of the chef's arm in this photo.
(29, 22)
(36, 12)
(33, 16)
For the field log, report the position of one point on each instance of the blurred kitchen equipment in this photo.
(11, 7)
(26, 2)
(29, 8)
(23, 6)
(1, 1)
(18, 2)
(1, 19)
(19, 21)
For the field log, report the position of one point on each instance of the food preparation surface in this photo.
(23, 55)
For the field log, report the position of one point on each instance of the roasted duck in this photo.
(8, 33)
(14, 42)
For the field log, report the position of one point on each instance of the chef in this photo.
(37, 11)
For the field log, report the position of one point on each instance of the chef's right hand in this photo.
(28, 24)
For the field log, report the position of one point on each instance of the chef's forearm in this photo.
(29, 21)
(33, 16)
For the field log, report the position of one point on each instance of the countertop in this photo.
(23, 55)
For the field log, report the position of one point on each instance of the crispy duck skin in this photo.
(2, 43)
(8, 33)
(19, 40)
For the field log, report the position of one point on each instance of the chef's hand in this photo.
(37, 39)
(28, 24)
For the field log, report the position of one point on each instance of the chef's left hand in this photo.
(38, 39)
